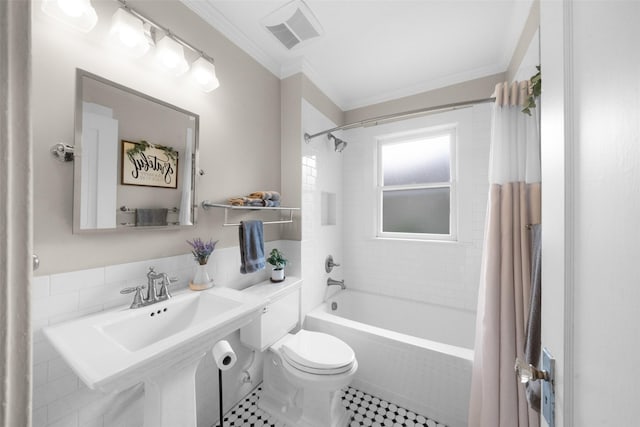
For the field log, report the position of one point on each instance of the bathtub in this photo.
(413, 354)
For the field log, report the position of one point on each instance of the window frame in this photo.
(452, 184)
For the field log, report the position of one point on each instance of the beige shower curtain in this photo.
(15, 214)
(497, 398)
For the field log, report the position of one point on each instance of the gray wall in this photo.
(239, 133)
(293, 90)
(466, 91)
(528, 32)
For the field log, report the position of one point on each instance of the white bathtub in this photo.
(413, 354)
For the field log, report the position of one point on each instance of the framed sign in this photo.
(149, 165)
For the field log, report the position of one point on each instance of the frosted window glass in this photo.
(416, 162)
(416, 211)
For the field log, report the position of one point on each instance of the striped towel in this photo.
(265, 195)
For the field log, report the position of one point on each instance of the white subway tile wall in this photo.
(321, 172)
(60, 399)
(445, 273)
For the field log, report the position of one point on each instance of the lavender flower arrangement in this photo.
(201, 250)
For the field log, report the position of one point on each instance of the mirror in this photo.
(135, 159)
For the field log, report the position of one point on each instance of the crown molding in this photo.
(302, 65)
(217, 20)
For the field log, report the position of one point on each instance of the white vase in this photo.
(201, 279)
(277, 274)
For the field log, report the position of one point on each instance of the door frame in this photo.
(557, 159)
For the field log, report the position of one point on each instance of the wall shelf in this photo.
(207, 205)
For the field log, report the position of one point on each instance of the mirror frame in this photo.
(77, 168)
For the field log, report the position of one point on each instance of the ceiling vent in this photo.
(293, 24)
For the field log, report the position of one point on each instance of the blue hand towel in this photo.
(251, 246)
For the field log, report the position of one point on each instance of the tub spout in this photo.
(331, 282)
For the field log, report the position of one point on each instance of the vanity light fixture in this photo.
(137, 33)
(203, 72)
(171, 55)
(128, 31)
(170, 52)
(79, 14)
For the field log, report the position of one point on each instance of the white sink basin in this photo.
(115, 349)
(146, 326)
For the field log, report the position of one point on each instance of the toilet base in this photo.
(317, 409)
(296, 406)
(323, 408)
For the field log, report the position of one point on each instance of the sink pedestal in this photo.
(170, 397)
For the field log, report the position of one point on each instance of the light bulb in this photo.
(78, 14)
(203, 73)
(129, 37)
(128, 31)
(171, 55)
(169, 60)
(73, 8)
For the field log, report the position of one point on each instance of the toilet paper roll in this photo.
(223, 355)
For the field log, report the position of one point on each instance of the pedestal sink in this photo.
(160, 345)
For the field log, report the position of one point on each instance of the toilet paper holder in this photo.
(225, 358)
(223, 355)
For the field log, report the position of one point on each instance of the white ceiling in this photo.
(376, 50)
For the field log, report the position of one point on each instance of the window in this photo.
(416, 190)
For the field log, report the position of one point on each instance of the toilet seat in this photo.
(316, 371)
(317, 353)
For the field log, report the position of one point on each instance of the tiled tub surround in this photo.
(60, 399)
(413, 354)
(438, 272)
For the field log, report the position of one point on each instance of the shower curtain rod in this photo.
(380, 119)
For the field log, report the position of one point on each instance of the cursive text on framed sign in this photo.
(149, 165)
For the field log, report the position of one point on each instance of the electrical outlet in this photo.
(548, 393)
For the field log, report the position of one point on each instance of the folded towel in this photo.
(246, 201)
(251, 246)
(265, 195)
(255, 202)
(271, 203)
(151, 217)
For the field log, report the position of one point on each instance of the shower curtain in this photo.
(497, 398)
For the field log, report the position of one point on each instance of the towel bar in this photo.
(131, 224)
(133, 210)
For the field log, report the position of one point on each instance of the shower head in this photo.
(339, 144)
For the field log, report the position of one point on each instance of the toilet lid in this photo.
(318, 351)
(316, 371)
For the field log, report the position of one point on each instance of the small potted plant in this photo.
(201, 252)
(278, 261)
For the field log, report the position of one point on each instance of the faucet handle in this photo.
(329, 264)
(164, 287)
(137, 298)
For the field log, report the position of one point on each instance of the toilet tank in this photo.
(280, 315)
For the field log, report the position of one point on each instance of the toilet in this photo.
(304, 372)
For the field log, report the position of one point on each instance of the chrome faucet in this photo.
(152, 291)
(164, 293)
(332, 282)
(152, 295)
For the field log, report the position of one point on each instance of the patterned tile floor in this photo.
(366, 410)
